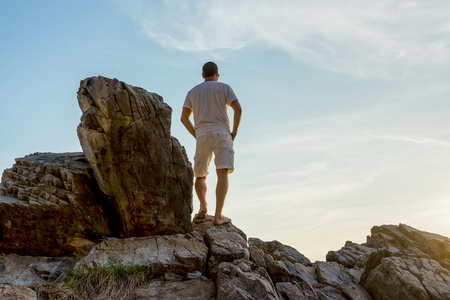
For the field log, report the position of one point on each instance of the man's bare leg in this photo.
(200, 189)
(221, 194)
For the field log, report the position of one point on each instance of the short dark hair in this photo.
(209, 69)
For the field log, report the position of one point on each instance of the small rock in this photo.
(194, 275)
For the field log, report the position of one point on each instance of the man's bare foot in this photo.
(221, 221)
(201, 214)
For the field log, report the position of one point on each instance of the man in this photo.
(209, 101)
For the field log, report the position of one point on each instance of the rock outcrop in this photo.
(128, 200)
(125, 135)
(50, 204)
(397, 262)
(400, 262)
(411, 263)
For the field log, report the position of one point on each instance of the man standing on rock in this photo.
(209, 102)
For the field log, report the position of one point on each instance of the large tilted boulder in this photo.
(125, 135)
(50, 204)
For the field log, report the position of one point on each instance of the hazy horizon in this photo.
(346, 118)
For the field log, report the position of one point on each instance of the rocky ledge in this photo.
(396, 262)
(50, 204)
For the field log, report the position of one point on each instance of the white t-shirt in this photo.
(209, 101)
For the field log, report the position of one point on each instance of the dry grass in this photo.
(53, 291)
(112, 281)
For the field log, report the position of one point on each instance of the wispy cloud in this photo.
(388, 39)
(411, 139)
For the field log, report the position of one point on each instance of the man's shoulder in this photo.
(208, 85)
(198, 86)
(224, 84)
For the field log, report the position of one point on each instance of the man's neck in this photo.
(212, 78)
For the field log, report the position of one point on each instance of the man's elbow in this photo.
(236, 106)
(238, 110)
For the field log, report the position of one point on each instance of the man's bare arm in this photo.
(236, 106)
(185, 114)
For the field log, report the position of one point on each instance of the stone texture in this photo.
(389, 276)
(401, 263)
(176, 254)
(398, 262)
(354, 291)
(202, 225)
(352, 255)
(225, 245)
(410, 241)
(125, 135)
(296, 291)
(409, 264)
(244, 280)
(29, 270)
(332, 274)
(201, 288)
(51, 205)
(14, 292)
(329, 293)
(280, 251)
(284, 263)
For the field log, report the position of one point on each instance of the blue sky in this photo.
(346, 120)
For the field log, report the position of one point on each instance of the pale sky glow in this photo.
(346, 120)
(368, 39)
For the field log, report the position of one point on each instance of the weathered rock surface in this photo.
(125, 135)
(50, 204)
(215, 263)
(352, 255)
(225, 245)
(243, 279)
(29, 270)
(296, 290)
(411, 264)
(169, 254)
(400, 262)
(14, 292)
(201, 288)
(284, 263)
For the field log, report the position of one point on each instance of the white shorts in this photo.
(219, 143)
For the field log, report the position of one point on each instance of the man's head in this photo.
(210, 69)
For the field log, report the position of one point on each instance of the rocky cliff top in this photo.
(211, 262)
(127, 201)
